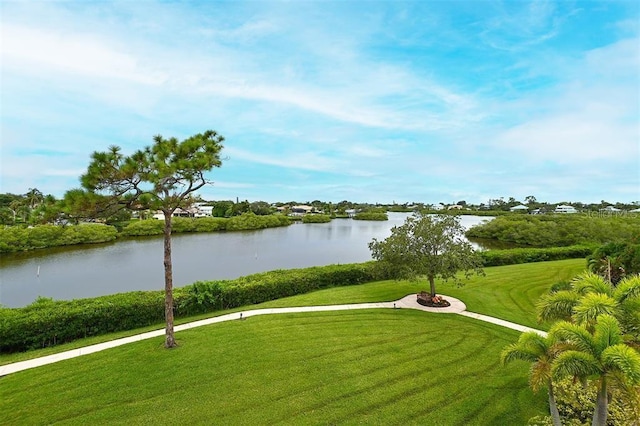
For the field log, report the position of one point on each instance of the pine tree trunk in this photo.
(553, 407)
(600, 413)
(170, 340)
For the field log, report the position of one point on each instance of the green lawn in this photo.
(506, 292)
(347, 367)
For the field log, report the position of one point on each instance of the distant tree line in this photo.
(37, 208)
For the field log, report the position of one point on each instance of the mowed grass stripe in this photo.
(506, 292)
(373, 366)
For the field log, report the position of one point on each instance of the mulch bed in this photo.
(436, 301)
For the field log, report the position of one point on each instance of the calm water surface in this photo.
(88, 271)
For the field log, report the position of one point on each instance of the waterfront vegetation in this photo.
(314, 368)
(316, 218)
(18, 238)
(557, 230)
(46, 322)
(371, 215)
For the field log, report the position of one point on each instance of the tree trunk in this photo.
(170, 340)
(432, 285)
(600, 413)
(553, 407)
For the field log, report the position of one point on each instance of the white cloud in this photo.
(39, 51)
(592, 117)
(304, 161)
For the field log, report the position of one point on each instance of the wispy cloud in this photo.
(415, 101)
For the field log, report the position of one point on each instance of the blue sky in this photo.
(369, 101)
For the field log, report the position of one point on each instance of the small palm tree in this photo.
(540, 351)
(591, 296)
(599, 355)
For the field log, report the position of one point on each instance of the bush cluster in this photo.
(316, 218)
(47, 322)
(529, 255)
(558, 230)
(371, 216)
(246, 221)
(18, 238)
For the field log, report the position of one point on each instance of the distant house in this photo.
(565, 209)
(350, 212)
(300, 210)
(610, 209)
(438, 207)
(520, 208)
(538, 211)
(455, 207)
(198, 210)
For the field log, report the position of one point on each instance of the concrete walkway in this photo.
(407, 302)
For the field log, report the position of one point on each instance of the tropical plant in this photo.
(429, 246)
(599, 355)
(162, 177)
(590, 296)
(614, 261)
(540, 351)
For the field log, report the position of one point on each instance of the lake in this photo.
(137, 264)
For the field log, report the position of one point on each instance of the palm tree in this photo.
(540, 351)
(600, 355)
(34, 197)
(591, 296)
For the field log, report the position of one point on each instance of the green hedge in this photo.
(17, 238)
(246, 221)
(371, 216)
(316, 218)
(47, 322)
(528, 255)
(556, 230)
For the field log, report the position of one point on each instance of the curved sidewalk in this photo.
(407, 302)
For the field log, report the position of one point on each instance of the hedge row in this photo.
(17, 238)
(246, 221)
(558, 230)
(528, 255)
(316, 218)
(371, 216)
(47, 322)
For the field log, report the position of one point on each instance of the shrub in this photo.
(576, 403)
(16, 238)
(46, 322)
(371, 216)
(204, 296)
(528, 255)
(558, 230)
(246, 221)
(249, 221)
(140, 228)
(316, 218)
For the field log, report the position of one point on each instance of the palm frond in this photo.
(592, 305)
(575, 364)
(515, 352)
(557, 306)
(628, 288)
(576, 335)
(625, 360)
(607, 332)
(588, 282)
